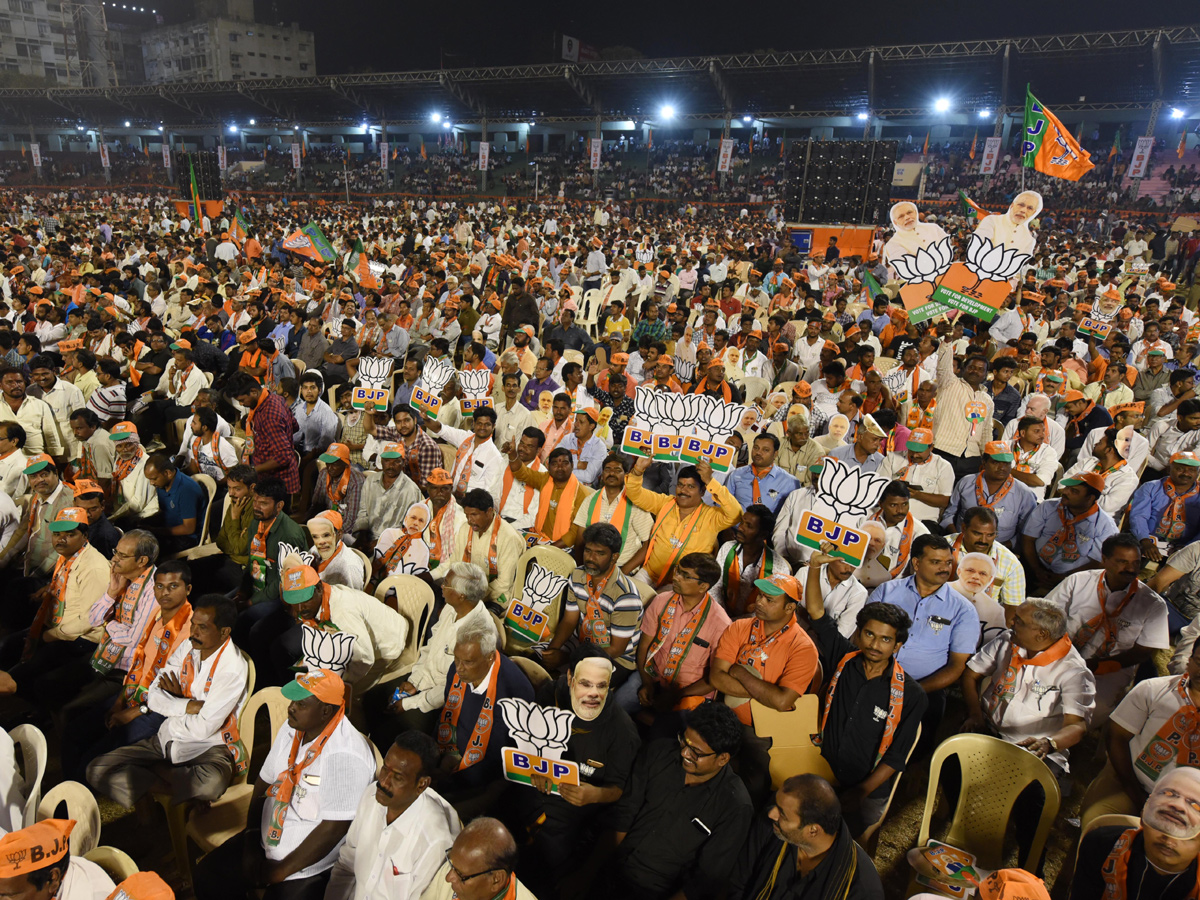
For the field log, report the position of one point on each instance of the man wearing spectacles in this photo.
(683, 817)
(479, 866)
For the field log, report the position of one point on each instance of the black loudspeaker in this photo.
(840, 182)
(208, 174)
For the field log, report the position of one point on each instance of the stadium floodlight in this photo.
(941, 104)
(295, 128)
(127, 124)
(233, 129)
(985, 114)
(79, 128)
(747, 119)
(532, 124)
(1177, 114)
(862, 117)
(160, 128)
(667, 111)
(435, 117)
(445, 124)
(253, 122)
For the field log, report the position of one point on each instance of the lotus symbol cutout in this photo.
(991, 262)
(848, 490)
(927, 265)
(540, 730)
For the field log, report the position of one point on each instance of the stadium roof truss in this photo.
(1123, 71)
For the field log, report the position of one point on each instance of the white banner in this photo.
(991, 155)
(104, 154)
(166, 150)
(484, 152)
(35, 150)
(221, 157)
(383, 154)
(295, 155)
(597, 143)
(726, 155)
(1141, 157)
(570, 49)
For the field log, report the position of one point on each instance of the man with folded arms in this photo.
(304, 801)
(199, 693)
(36, 864)
(401, 831)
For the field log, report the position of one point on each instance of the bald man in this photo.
(479, 866)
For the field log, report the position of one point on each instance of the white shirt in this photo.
(521, 505)
(843, 601)
(379, 630)
(329, 789)
(64, 398)
(894, 535)
(185, 736)
(428, 676)
(1146, 708)
(205, 459)
(787, 520)
(12, 474)
(186, 388)
(1118, 486)
(934, 476)
(1056, 437)
(487, 463)
(135, 495)
(1042, 462)
(379, 861)
(85, 881)
(1043, 694)
(747, 571)
(510, 423)
(1139, 448)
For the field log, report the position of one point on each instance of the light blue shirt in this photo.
(846, 454)
(773, 488)
(1093, 531)
(318, 429)
(1148, 506)
(945, 622)
(592, 456)
(1010, 511)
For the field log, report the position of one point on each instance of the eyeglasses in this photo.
(690, 749)
(465, 878)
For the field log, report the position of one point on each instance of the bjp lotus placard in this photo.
(849, 543)
(637, 442)
(719, 456)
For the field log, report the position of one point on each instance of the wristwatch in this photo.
(1053, 744)
(145, 711)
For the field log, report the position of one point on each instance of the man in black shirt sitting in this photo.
(682, 819)
(802, 850)
(872, 708)
(1157, 860)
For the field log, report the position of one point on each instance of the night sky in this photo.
(389, 35)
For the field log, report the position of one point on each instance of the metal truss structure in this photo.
(888, 82)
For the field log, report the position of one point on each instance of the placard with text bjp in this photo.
(850, 543)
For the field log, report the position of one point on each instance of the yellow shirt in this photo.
(668, 531)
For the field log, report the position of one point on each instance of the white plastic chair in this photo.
(32, 744)
(82, 807)
(414, 601)
(117, 864)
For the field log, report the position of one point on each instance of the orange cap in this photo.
(35, 847)
(324, 684)
(68, 519)
(333, 517)
(1092, 479)
(37, 463)
(802, 389)
(778, 585)
(143, 886)
(85, 486)
(1073, 396)
(439, 476)
(336, 453)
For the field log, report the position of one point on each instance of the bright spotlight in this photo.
(445, 124)
(747, 119)
(941, 104)
(985, 114)
(295, 128)
(253, 122)
(435, 117)
(1177, 114)
(160, 128)
(79, 128)
(667, 112)
(532, 124)
(127, 124)
(862, 117)
(233, 129)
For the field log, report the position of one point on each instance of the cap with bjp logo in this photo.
(68, 519)
(35, 847)
(999, 450)
(298, 584)
(85, 486)
(439, 476)
(324, 684)
(778, 585)
(336, 453)
(123, 431)
(1093, 480)
(920, 439)
(37, 463)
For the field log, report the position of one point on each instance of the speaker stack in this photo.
(208, 174)
(840, 182)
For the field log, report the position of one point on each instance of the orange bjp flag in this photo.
(1049, 147)
(973, 140)
(1182, 145)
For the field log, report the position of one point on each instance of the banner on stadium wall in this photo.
(991, 155)
(104, 154)
(221, 160)
(1141, 157)
(35, 150)
(726, 155)
(484, 149)
(166, 151)
(597, 143)
(295, 155)
(383, 154)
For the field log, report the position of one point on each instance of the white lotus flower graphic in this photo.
(326, 649)
(435, 374)
(684, 368)
(540, 730)
(542, 587)
(409, 568)
(286, 550)
(993, 261)
(474, 382)
(848, 490)
(373, 371)
(648, 407)
(927, 265)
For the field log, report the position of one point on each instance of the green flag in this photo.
(197, 214)
(874, 289)
(319, 241)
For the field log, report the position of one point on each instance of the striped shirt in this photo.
(953, 432)
(620, 605)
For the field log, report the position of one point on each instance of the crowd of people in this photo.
(514, 507)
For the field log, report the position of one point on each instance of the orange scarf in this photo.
(1065, 538)
(280, 793)
(183, 377)
(139, 677)
(1001, 690)
(906, 539)
(1109, 623)
(1173, 522)
(1001, 492)
(683, 641)
(702, 387)
(493, 568)
(921, 418)
(229, 728)
(1116, 868)
(447, 730)
(508, 484)
(895, 704)
(566, 503)
(592, 627)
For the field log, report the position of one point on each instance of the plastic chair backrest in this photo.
(81, 806)
(210, 487)
(560, 562)
(32, 744)
(366, 562)
(994, 773)
(1105, 821)
(533, 670)
(299, 365)
(118, 864)
(272, 699)
(788, 728)
(501, 631)
(786, 387)
(755, 387)
(449, 455)
(414, 601)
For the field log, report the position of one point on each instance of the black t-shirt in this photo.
(150, 382)
(1142, 881)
